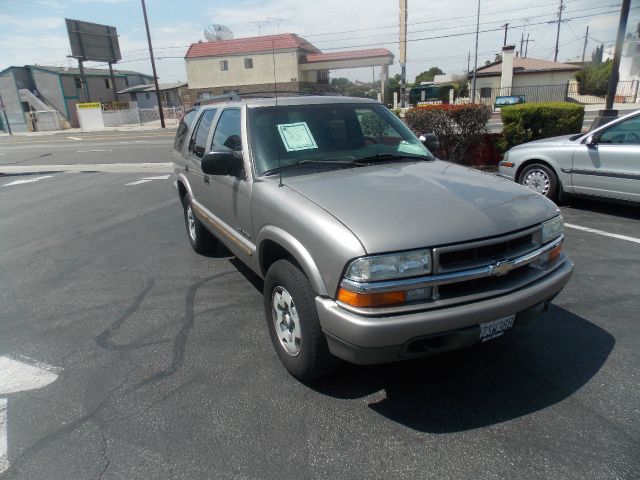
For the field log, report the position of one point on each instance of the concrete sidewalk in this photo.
(72, 131)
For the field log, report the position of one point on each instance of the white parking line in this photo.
(19, 376)
(26, 180)
(600, 232)
(95, 150)
(75, 138)
(148, 179)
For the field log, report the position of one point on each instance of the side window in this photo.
(183, 130)
(197, 145)
(624, 133)
(227, 134)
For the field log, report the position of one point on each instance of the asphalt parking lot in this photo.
(160, 365)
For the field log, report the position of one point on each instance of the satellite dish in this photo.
(216, 32)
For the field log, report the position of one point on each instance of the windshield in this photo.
(328, 135)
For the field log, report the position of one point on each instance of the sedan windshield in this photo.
(297, 138)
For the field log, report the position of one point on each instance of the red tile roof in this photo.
(351, 55)
(249, 45)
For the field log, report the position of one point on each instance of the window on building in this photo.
(224, 65)
(248, 63)
(107, 84)
(485, 92)
(78, 81)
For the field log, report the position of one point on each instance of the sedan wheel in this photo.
(541, 179)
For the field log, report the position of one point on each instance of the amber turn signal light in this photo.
(365, 300)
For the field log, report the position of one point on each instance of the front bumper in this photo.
(367, 340)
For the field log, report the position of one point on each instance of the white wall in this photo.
(205, 72)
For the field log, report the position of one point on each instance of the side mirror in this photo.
(430, 141)
(221, 163)
(591, 141)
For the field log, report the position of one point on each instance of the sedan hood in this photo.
(427, 204)
(560, 140)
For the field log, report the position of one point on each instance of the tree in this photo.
(596, 56)
(594, 79)
(498, 57)
(427, 76)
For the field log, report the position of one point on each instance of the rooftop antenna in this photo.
(275, 93)
(216, 32)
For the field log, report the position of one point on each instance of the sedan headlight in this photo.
(386, 267)
(552, 229)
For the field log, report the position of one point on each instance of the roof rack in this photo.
(259, 94)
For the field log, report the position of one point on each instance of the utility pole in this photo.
(475, 62)
(468, 64)
(586, 38)
(403, 51)
(608, 113)
(560, 9)
(153, 65)
(521, 42)
(506, 28)
(526, 47)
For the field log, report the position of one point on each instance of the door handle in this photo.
(206, 179)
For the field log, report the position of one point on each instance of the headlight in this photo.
(386, 267)
(552, 229)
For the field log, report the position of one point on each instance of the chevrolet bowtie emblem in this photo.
(501, 268)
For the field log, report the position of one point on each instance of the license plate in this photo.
(495, 328)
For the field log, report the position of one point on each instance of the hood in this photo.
(427, 204)
(560, 140)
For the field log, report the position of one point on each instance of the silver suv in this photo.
(371, 250)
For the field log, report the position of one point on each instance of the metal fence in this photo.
(142, 116)
(627, 92)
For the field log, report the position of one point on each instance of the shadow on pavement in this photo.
(531, 368)
(622, 210)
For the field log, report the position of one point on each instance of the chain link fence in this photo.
(142, 116)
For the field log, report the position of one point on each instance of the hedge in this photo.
(533, 121)
(457, 126)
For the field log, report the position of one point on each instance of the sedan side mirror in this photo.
(221, 163)
(591, 141)
(430, 140)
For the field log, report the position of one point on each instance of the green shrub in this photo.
(594, 79)
(533, 121)
(373, 125)
(457, 126)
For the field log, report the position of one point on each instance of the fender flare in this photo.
(181, 178)
(297, 250)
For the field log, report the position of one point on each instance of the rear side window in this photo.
(227, 134)
(197, 145)
(183, 130)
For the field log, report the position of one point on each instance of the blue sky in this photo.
(32, 31)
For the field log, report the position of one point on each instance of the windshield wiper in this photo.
(301, 163)
(385, 157)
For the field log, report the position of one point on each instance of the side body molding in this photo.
(299, 252)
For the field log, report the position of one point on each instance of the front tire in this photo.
(293, 323)
(201, 239)
(541, 179)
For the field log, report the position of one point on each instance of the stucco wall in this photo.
(206, 73)
(11, 100)
(48, 86)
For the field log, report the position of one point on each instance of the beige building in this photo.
(283, 62)
(538, 80)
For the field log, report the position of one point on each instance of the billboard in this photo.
(93, 41)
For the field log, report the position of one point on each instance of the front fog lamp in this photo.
(552, 229)
(387, 267)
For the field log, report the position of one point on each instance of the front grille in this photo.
(472, 255)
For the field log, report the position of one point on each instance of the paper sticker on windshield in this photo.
(411, 148)
(296, 136)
